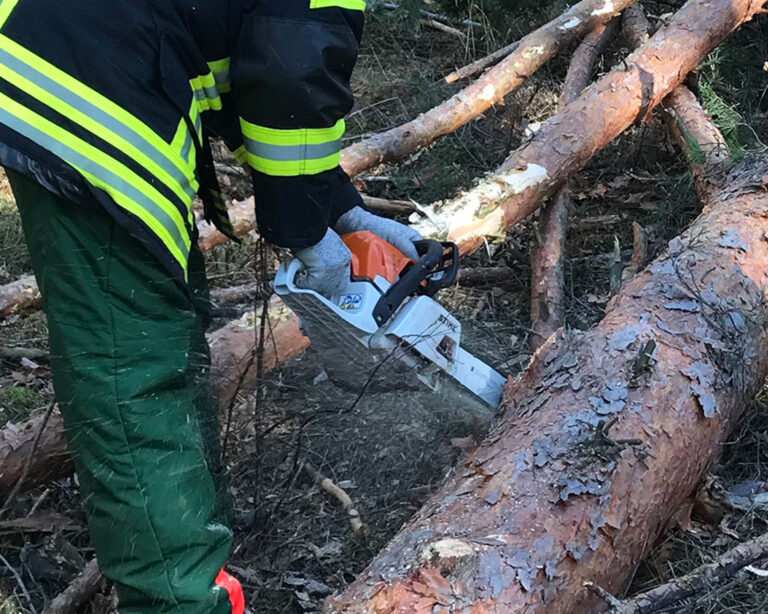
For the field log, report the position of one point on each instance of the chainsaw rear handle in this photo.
(436, 268)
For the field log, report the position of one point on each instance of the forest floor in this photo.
(389, 451)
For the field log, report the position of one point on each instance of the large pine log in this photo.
(568, 140)
(532, 52)
(605, 434)
(548, 252)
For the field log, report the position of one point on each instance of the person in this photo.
(106, 114)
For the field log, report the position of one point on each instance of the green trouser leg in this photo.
(130, 370)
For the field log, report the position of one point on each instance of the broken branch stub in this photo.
(568, 140)
(533, 51)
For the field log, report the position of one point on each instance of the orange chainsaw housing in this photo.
(372, 256)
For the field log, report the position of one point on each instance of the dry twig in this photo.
(359, 528)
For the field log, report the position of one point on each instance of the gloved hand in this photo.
(326, 265)
(396, 234)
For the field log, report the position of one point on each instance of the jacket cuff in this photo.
(296, 212)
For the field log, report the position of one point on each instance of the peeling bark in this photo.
(531, 54)
(230, 348)
(557, 494)
(547, 267)
(568, 140)
(605, 434)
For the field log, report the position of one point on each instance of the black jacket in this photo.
(115, 102)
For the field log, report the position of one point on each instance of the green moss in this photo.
(16, 403)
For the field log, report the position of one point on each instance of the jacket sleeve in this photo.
(290, 80)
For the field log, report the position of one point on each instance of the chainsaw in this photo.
(386, 331)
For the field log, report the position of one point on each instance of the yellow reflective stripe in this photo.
(293, 168)
(178, 137)
(352, 5)
(219, 66)
(220, 70)
(82, 90)
(156, 227)
(97, 156)
(207, 80)
(241, 155)
(94, 127)
(6, 7)
(206, 93)
(301, 136)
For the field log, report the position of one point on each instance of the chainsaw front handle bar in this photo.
(436, 268)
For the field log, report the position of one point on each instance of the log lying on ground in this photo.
(230, 348)
(82, 589)
(601, 439)
(568, 140)
(243, 219)
(547, 267)
(20, 295)
(471, 69)
(699, 581)
(531, 54)
(233, 346)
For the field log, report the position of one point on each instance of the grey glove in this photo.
(394, 233)
(326, 266)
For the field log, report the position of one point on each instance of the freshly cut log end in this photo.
(600, 439)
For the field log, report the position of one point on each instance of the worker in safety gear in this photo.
(106, 111)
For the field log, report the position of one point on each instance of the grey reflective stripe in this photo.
(290, 153)
(77, 159)
(221, 77)
(186, 145)
(98, 115)
(209, 93)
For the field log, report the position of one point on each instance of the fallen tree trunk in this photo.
(568, 140)
(533, 51)
(601, 439)
(547, 268)
(230, 348)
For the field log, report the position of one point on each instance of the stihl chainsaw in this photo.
(386, 330)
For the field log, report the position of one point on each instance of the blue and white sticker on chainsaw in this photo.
(351, 302)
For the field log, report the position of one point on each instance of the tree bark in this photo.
(568, 140)
(231, 347)
(555, 497)
(604, 435)
(547, 267)
(82, 589)
(533, 51)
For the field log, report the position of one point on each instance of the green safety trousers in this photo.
(130, 368)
